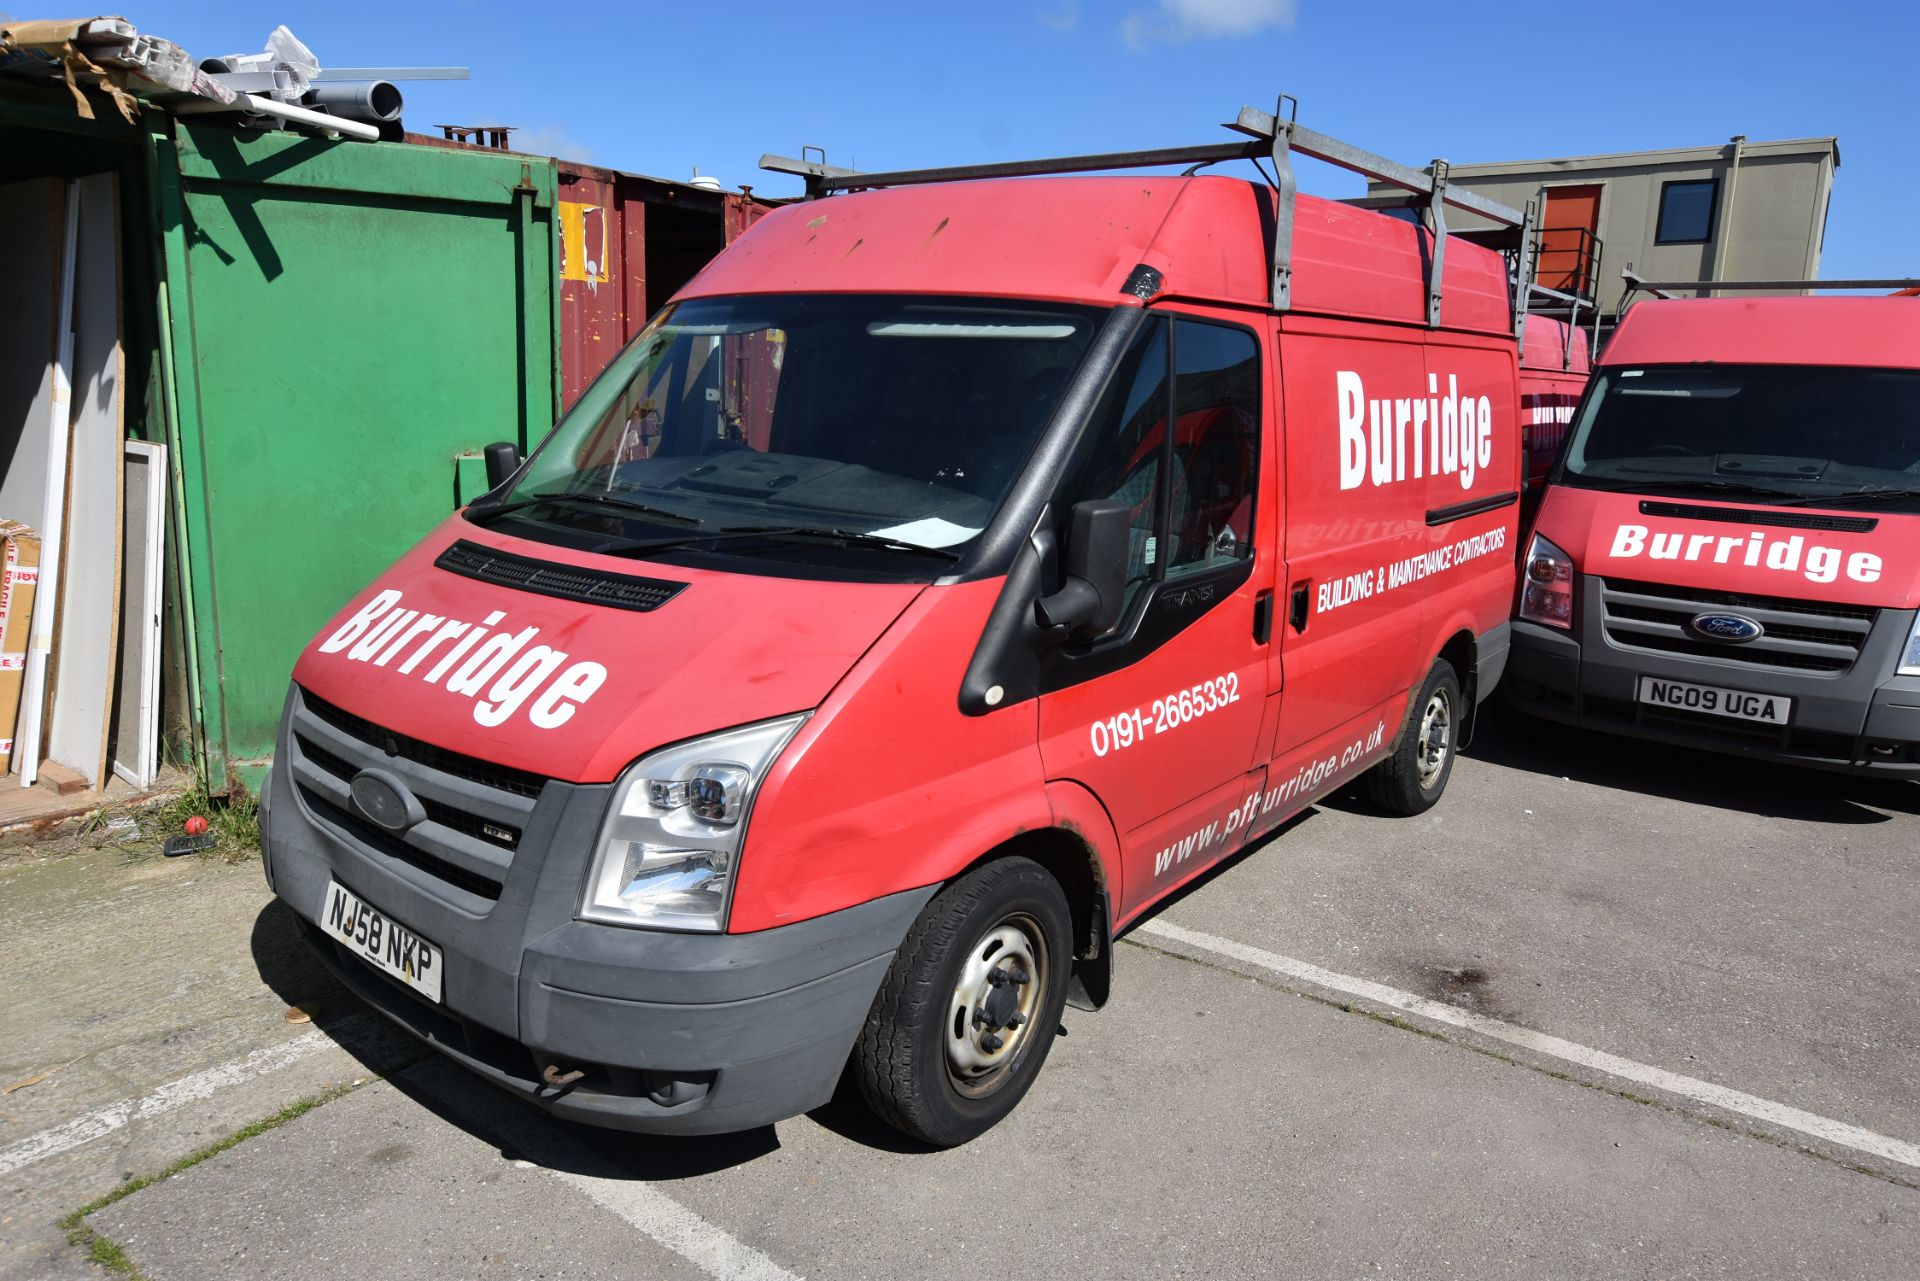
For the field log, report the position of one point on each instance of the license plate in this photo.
(1715, 700)
(381, 941)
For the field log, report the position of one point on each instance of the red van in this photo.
(1728, 552)
(1554, 368)
(949, 573)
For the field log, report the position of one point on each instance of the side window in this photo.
(1216, 446)
(1191, 489)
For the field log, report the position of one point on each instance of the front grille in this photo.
(621, 591)
(471, 768)
(475, 812)
(1808, 636)
(446, 815)
(398, 850)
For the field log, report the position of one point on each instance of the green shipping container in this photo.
(326, 334)
(358, 321)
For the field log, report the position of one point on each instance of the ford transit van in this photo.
(955, 568)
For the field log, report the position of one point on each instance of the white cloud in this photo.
(1063, 16)
(1181, 21)
(550, 140)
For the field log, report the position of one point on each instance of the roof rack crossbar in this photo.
(822, 179)
(1285, 188)
(1275, 135)
(1346, 156)
(1523, 277)
(1635, 282)
(1437, 214)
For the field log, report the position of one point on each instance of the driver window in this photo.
(1191, 490)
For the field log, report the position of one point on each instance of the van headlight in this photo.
(668, 849)
(1910, 656)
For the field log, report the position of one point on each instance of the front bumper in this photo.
(677, 1033)
(1858, 722)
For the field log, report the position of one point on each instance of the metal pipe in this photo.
(253, 102)
(1649, 285)
(373, 101)
(1723, 235)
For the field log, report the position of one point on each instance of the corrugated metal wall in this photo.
(346, 321)
(626, 244)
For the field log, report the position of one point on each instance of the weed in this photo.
(234, 819)
(106, 1252)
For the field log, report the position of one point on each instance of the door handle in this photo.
(1297, 607)
(1262, 618)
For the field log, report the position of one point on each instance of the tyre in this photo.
(968, 1010)
(1413, 777)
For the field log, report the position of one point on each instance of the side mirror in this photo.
(1091, 600)
(503, 459)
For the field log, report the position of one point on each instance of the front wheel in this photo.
(967, 1013)
(1411, 779)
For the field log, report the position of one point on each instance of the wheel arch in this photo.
(1081, 852)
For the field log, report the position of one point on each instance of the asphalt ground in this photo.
(1610, 1010)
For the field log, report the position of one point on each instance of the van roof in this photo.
(1546, 346)
(1078, 239)
(1880, 332)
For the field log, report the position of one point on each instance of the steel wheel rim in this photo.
(991, 1011)
(1436, 735)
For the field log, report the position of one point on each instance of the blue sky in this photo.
(662, 88)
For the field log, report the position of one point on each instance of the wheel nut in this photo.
(996, 978)
(1017, 1020)
(991, 1042)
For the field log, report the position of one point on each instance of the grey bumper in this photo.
(676, 1033)
(1863, 721)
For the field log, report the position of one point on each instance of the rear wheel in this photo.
(1411, 780)
(968, 1011)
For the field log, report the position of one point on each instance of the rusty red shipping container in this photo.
(627, 243)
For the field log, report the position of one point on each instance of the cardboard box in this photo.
(19, 577)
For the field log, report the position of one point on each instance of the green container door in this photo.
(350, 324)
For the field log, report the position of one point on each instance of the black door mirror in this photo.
(503, 459)
(1091, 600)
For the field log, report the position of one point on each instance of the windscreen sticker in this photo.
(506, 667)
(1755, 550)
(930, 532)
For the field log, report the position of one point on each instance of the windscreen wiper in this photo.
(587, 497)
(773, 532)
(1857, 496)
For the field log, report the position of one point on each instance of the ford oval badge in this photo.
(385, 799)
(1735, 629)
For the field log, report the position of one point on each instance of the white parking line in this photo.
(1823, 1128)
(711, 1249)
(174, 1094)
(516, 1128)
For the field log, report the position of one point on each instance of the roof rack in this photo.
(1663, 288)
(1273, 136)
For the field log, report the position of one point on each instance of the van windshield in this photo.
(818, 428)
(1805, 436)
